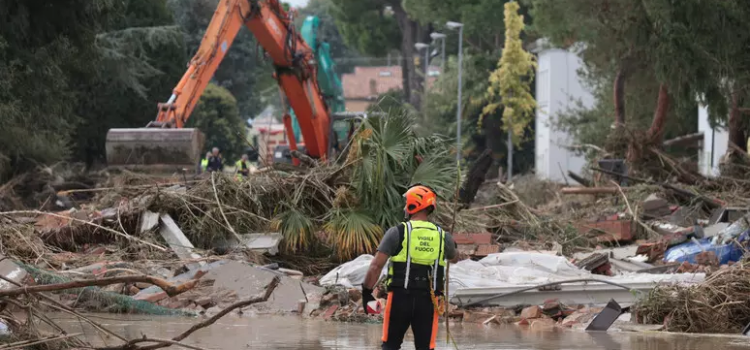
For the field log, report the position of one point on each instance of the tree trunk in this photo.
(656, 132)
(736, 132)
(408, 35)
(619, 97)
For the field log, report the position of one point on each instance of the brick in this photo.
(331, 310)
(614, 231)
(486, 249)
(473, 238)
(532, 312)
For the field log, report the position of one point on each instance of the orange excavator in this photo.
(166, 144)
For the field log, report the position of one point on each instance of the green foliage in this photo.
(512, 80)
(296, 228)
(136, 66)
(352, 232)
(367, 26)
(482, 26)
(329, 32)
(694, 47)
(391, 153)
(217, 116)
(244, 71)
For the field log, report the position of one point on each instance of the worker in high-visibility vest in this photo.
(243, 168)
(418, 250)
(204, 162)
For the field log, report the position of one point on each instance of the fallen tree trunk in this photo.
(169, 288)
(589, 190)
(689, 140)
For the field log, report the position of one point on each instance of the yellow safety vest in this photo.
(204, 164)
(421, 260)
(238, 169)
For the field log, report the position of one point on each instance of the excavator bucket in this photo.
(155, 150)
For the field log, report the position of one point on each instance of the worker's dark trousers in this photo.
(404, 309)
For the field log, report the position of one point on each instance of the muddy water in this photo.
(292, 333)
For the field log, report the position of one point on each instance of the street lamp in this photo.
(460, 27)
(426, 48)
(441, 37)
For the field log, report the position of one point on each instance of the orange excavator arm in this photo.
(296, 71)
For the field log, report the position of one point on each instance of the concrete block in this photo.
(149, 221)
(262, 242)
(11, 271)
(178, 242)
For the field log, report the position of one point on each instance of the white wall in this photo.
(558, 87)
(715, 143)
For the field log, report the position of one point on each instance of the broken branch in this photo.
(588, 190)
(169, 288)
(269, 290)
(118, 233)
(579, 179)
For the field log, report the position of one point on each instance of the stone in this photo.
(581, 317)
(532, 312)
(542, 323)
(355, 295)
(205, 302)
(551, 307)
(133, 290)
(655, 207)
(476, 316)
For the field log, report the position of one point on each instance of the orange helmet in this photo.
(418, 198)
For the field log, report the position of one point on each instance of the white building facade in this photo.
(558, 88)
(715, 143)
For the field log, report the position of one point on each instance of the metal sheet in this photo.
(593, 294)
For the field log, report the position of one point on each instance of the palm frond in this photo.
(296, 228)
(352, 233)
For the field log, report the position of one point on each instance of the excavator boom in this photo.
(165, 141)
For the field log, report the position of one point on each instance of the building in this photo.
(365, 84)
(715, 143)
(558, 87)
(267, 133)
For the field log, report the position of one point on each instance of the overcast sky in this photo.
(297, 3)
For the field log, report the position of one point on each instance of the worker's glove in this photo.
(366, 297)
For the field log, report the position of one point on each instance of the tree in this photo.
(245, 71)
(341, 53)
(139, 59)
(689, 50)
(511, 81)
(217, 116)
(379, 27)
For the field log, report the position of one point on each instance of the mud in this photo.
(250, 332)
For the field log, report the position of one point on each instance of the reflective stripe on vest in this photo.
(422, 245)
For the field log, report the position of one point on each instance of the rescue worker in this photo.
(243, 168)
(204, 162)
(418, 250)
(215, 163)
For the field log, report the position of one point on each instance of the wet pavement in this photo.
(265, 332)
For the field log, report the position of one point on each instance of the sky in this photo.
(297, 3)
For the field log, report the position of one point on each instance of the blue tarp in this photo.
(689, 250)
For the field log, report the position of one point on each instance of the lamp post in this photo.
(460, 27)
(441, 37)
(426, 48)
